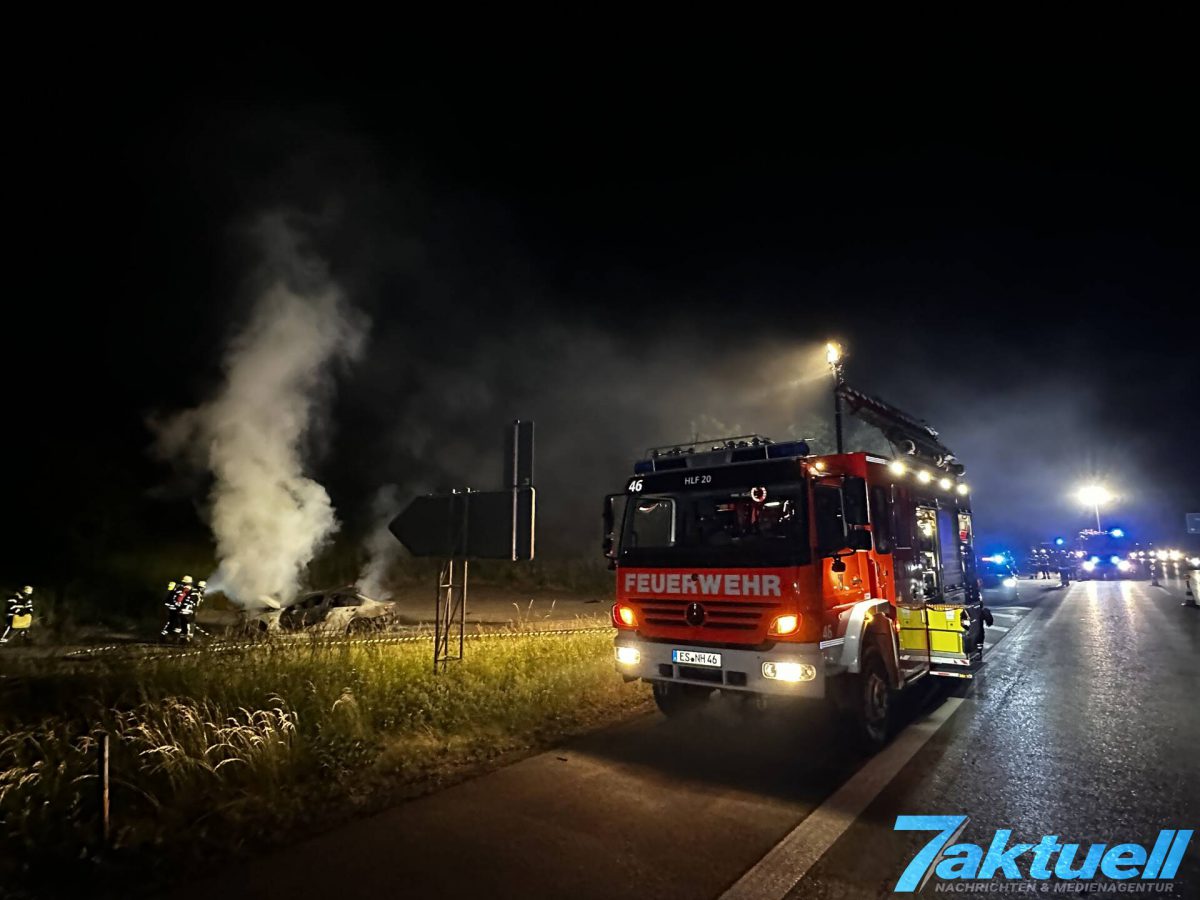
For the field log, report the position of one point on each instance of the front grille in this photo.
(741, 615)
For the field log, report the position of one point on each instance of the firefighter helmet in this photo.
(170, 585)
(201, 584)
(186, 579)
(27, 590)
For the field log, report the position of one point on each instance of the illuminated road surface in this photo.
(1086, 724)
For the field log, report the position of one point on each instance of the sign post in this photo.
(463, 525)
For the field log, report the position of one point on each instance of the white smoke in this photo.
(269, 519)
(382, 549)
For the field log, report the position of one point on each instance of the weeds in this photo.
(216, 750)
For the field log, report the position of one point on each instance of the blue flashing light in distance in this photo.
(1114, 559)
(1118, 532)
(1095, 559)
(1058, 542)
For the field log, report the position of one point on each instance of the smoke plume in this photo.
(268, 517)
(382, 549)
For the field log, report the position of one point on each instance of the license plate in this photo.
(695, 658)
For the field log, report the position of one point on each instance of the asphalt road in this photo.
(1085, 724)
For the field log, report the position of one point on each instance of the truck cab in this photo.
(756, 567)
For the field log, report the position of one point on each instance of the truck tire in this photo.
(674, 700)
(871, 712)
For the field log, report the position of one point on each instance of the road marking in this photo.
(773, 876)
(785, 864)
(1000, 628)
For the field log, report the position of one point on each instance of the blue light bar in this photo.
(1117, 533)
(786, 449)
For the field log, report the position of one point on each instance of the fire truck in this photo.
(759, 569)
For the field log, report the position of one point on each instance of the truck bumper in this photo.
(740, 670)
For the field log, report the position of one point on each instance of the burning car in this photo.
(340, 611)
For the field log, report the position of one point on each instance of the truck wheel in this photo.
(872, 710)
(675, 700)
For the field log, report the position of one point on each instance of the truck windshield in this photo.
(765, 525)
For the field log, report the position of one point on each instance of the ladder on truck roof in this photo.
(908, 435)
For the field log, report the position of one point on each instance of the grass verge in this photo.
(220, 754)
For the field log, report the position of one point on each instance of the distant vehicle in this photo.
(1106, 568)
(1106, 556)
(338, 611)
(994, 573)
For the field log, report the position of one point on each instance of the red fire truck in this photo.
(756, 568)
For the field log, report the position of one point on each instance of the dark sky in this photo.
(624, 253)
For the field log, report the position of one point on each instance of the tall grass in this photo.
(224, 750)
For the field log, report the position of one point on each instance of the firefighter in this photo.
(178, 594)
(187, 610)
(1064, 570)
(18, 613)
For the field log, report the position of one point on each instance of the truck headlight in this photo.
(789, 671)
(1089, 566)
(629, 656)
(1010, 582)
(1124, 565)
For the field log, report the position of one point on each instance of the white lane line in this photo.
(773, 876)
(1000, 628)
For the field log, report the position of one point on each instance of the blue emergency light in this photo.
(787, 449)
(1118, 532)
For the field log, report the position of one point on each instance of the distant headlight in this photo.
(1124, 565)
(1010, 582)
(1089, 566)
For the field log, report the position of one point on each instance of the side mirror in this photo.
(838, 566)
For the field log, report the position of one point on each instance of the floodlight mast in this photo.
(834, 355)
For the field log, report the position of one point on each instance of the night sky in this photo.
(625, 254)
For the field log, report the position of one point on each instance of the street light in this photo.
(1095, 495)
(834, 356)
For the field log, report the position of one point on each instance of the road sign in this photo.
(1193, 523)
(469, 525)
